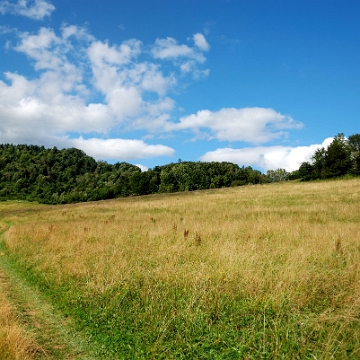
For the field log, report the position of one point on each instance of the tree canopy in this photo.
(30, 172)
(53, 176)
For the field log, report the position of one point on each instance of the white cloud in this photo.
(100, 53)
(80, 33)
(29, 109)
(267, 158)
(48, 50)
(120, 149)
(125, 81)
(53, 103)
(142, 167)
(200, 42)
(37, 9)
(169, 49)
(252, 125)
(73, 69)
(134, 91)
(185, 57)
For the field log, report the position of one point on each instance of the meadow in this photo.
(254, 272)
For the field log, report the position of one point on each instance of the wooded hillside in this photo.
(34, 173)
(53, 176)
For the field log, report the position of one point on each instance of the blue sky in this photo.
(255, 82)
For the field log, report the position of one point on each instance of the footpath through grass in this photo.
(258, 272)
(30, 327)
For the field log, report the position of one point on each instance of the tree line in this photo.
(53, 176)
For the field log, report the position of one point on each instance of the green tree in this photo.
(277, 175)
(306, 171)
(354, 143)
(338, 157)
(336, 160)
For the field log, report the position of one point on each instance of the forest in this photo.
(54, 176)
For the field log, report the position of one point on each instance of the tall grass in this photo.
(15, 344)
(252, 272)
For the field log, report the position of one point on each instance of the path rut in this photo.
(55, 334)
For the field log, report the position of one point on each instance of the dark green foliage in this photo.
(354, 143)
(294, 175)
(187, 176)
(306, 171)
(53, 176)
(339, 159)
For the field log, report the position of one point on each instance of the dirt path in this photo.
(54, 336)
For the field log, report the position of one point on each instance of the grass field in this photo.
(254, 272)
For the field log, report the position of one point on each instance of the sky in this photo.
(259, 83)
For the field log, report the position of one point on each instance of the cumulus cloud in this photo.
(267, 158)
(169, 49)
(124, 81)
(48, 50)
(253, 125)
(36, 10)
(85, 86)
(120, 148)
(201, 43)
(100, 53)
(185, 57)
(33, 109)
(55, 101)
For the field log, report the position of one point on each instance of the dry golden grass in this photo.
(294, 240)
(292, 247)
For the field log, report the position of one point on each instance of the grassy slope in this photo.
(265, 271)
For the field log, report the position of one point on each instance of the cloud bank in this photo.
(86, 89)
(252, 125)
(120, 148)
(267, 158)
